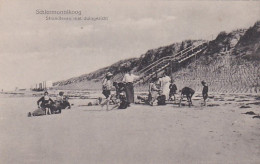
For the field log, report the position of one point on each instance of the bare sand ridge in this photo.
(139, 134)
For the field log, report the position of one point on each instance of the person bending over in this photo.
(188, 92)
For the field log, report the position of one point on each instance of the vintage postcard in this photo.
(129, 82)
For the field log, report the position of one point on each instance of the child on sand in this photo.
(205, 91)
(154, 90)
(121, 100)
(173, 89)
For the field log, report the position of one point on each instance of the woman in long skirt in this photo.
(165, 83)
(129, 87)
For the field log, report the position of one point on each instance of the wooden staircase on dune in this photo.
(169, 62)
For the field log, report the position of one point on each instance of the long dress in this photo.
(129, 88)
(165, 82)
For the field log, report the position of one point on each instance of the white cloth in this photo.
(60, 98)
(46, 97)
(165, 83)
(129, 78)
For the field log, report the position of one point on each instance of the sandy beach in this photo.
(139, 134)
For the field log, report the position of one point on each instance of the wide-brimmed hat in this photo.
(109, 74)
(203, 82)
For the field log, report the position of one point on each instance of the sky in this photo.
(33, 49)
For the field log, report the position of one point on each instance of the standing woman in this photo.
(165, 83)
(106, 87)
(129, 86)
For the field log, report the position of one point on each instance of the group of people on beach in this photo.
(160, 90)
(124, 90)
(46, 106)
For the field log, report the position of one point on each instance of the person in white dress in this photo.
(165, 83)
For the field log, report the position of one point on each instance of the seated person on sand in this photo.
(188, 92)
(58, 103)
(154, 90)
(66, 103)
(205, 91)
(44, 105)
(173, 89)
(63, 100)
(123, 104)
(121, 100)
(60, 97)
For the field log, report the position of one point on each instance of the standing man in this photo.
(129, 86)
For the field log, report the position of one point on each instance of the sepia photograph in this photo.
(130, 82)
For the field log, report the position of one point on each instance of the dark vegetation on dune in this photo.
(230, 63)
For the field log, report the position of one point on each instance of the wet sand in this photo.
(139, 134)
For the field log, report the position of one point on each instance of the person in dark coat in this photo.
(173, 89)
(205, 91)
(188, 92)
(66, 103)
